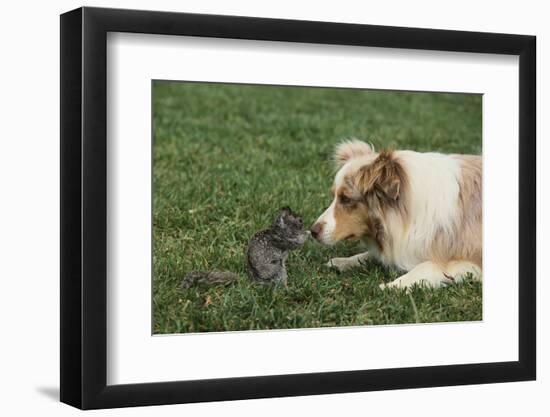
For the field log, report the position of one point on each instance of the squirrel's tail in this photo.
(209, 278)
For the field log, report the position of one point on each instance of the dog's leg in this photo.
(456, 271)
(346, 263)
(428, 273)
(434, 275)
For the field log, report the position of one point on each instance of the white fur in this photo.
(429, 211)
(327, 218)
(426, 273)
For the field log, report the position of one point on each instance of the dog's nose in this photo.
(316, 229)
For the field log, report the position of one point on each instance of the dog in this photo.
(419, 212)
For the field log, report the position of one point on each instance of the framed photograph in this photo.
(257, 208)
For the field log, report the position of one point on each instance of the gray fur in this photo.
(268, 249)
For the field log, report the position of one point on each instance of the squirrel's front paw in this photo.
(341, 264)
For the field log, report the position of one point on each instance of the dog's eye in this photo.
(344, 199)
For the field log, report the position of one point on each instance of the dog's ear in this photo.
(350, 149)
(385, 178)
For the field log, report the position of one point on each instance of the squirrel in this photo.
(268, 249)
(266, 253)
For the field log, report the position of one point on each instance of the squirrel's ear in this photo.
(280, 219)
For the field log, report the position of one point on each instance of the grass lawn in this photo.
(227, 157)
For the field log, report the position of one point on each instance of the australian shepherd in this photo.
(419, 212)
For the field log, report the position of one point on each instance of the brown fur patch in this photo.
(385, 177)
(373, 189)
(471, 205)
(351, 221)
(465, 241)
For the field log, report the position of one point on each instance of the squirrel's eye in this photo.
(344, 199)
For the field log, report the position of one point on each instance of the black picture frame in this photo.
(84, 207)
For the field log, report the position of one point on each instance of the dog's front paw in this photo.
(392, 284)
(341, 264)
(402, 284)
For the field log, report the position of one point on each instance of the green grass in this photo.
(226, 157)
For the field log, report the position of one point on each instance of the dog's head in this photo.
(367, 186)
